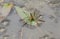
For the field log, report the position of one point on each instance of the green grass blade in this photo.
(21, 12)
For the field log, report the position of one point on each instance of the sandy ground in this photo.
(51, 16)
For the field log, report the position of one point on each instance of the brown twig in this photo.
(22, 33)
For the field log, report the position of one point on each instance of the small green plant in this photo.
(30, 19)
(27, 17)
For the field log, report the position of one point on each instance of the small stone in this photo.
(46, 37)
(2, 29)
(5, 37)
(5, 22)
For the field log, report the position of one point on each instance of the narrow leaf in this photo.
(21, 12)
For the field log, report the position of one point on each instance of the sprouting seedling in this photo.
(27, 17)
(30, 19)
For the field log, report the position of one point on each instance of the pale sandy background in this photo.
(51, 24)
